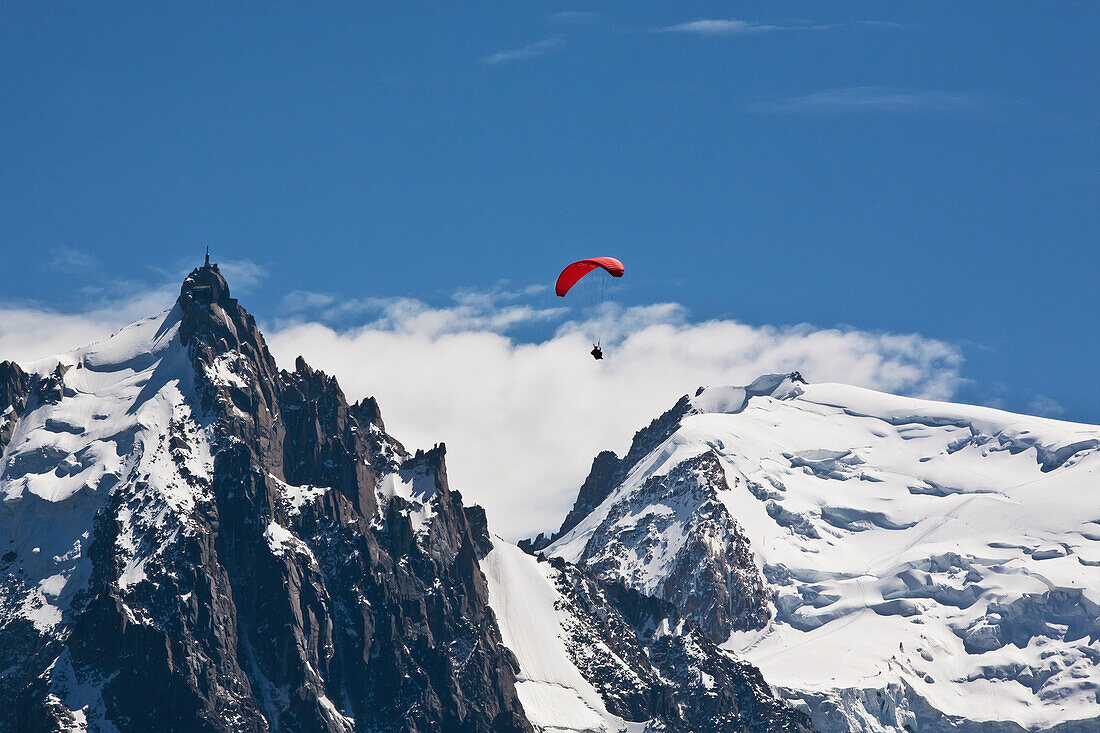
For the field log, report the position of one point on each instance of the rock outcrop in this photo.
(652, 663)
(14, 389)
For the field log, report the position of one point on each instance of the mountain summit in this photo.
(197, 540)
(192, 539)
(890, 564)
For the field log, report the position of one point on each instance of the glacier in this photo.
(929, 565)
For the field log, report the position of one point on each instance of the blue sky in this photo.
(922, 168)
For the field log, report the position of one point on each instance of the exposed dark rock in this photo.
(712, 577)
(479, 530)
(368, 413)
(648, 662)
(605, 475)
(14, 390)
(266, 611)
(51, 388)
(608, 470)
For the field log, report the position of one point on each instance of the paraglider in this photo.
(574, 272)
(577, 270)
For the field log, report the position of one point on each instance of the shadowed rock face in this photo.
(14, 389)
(712, 577)
(649, 662)
(608, 471)
(288, 599)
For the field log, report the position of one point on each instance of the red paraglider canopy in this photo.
(574, 272)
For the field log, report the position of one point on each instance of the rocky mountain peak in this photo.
(232, 570)
(206, 285)
(368, 412)
(213, 323)
(608, 470)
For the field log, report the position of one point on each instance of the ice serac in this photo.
(195, 540)
(926, 566)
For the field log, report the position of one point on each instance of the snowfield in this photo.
(554, 693)
(933, 565)
(123, 400)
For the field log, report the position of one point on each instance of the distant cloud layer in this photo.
(714, 27)
(522, 419)
(734, 26)
(869, 99)
(737, 26)
(529, 51)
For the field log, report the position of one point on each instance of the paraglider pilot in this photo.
(575, 271)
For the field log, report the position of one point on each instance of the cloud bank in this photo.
(523, 417)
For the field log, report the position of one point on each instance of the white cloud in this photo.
(738, 27)
(29, 331)
(720, 27)
(73, 260)
(1045, 406)
(494, 310)
(869, 99)
(297, 301)
(243, 275)
(523, 420)
(529, 51)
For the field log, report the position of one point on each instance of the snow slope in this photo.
(554, 693)
(933, 564)
(123, 399)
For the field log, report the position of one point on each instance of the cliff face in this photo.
(14, 390)
(266, 558)
(698, 558)
(690, 552)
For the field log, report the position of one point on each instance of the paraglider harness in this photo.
(597, 352)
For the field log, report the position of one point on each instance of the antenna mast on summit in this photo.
(207, 264)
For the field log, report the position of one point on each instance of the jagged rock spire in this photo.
(206, 285)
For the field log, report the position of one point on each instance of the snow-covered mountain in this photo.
(192, 539)
(890, 564)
